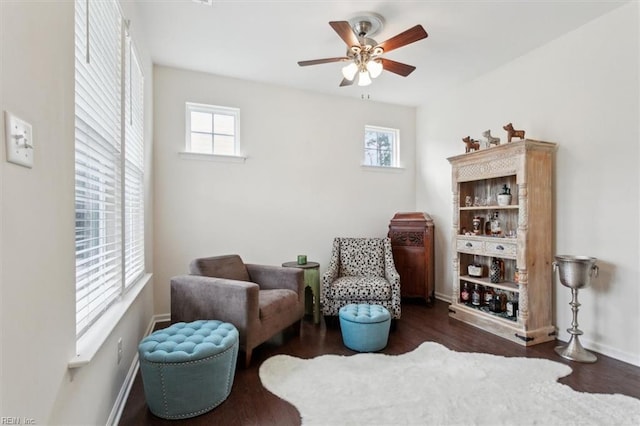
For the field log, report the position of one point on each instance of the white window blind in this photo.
(108, 161)
(133, 168)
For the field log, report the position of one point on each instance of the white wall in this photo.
(37, 267)
(301, 185)
(580, 91)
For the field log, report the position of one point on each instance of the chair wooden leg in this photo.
(297, 327)
(331, 321)
(247, 358)
(394, 324)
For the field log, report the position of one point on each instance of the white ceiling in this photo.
(262, 40)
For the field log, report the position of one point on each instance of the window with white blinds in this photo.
(133, 168)
(109, 170)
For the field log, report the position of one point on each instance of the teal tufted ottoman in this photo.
(365, 328)
(188, 368)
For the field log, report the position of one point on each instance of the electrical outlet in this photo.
(19, 140)
(119, 350)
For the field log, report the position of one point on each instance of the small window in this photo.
(381, 146)
(212, 129)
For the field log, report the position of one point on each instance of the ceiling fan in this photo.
(364, 54)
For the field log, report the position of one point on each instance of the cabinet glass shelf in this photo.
(485, 310)
(503, 285)
(485, 238)
(496, 207)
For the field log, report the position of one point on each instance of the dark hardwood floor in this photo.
(251, 404)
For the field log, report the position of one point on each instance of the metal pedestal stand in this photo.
(575, 273)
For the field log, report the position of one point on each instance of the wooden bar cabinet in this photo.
(411, 237)
(515, 233)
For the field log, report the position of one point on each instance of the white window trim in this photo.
(88, 345)
(197, 107)
(212, 157)
(395, 160)
(383, 169)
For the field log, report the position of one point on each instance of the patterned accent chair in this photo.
(361, 270)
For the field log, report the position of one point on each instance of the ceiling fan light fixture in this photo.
(374, 67)
(363, 78)
(349, 72)
(364, 54)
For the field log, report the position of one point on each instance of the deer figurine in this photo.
(511, 133)
(491, 140)
(471, 144)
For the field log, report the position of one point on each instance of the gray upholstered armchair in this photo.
(361, 270)
(259, 300)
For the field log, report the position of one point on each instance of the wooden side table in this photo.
(311, 280)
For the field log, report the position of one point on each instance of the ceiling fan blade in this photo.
(346, 82)
(397, 67)
(407, 37)
(322, 61)
(343, 28)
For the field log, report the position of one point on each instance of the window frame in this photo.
(213, 110)
(394, 151)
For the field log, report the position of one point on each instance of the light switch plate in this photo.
(19, 140)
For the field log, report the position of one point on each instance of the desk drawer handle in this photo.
(499, 247)
(469, 245)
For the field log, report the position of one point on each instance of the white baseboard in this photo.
(123, 395)
(121, 400)
(609, 351)
(162, 318)
(443, 297)
(606, 350)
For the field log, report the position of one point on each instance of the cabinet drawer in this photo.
(470, 245)
(501, 248)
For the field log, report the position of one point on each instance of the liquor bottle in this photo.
(494, 304)
(512, 307)
(465, 295)
(477, 295)
(488, 295)
(477, 225)
(496, 228)
(503, 301)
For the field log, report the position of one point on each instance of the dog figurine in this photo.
(511, 133)
(491, 140)
(471, 144)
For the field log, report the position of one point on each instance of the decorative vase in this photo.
(494, 271)
(504, 198)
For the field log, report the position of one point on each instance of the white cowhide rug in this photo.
(433, 385)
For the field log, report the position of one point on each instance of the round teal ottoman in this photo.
(188, 368)
(365, 328)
